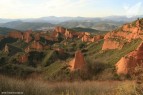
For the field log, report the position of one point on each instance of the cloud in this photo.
(37, 8)
(132, 10)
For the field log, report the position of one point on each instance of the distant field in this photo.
(40, 87)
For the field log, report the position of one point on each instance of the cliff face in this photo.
(60, 29)
(36, 45)
(88, 38)
(128, 63)
(78, 62)
(27, 36)
(123, 35)
(37, 37)
(15, 34)
(68, 34)
(111, 44)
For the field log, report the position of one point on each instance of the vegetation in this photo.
(40, 87)
(80, 29)
(4, 30)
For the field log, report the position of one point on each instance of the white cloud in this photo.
(133, 10)
(31, 8)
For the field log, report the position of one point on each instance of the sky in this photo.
(71, 8)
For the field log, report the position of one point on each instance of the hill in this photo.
(80, 29)
(5, 31)
(19, 25)
(71, 54)
(98, 25)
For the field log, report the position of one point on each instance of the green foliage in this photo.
(39, 87)
(52, 71)
(80, 29)
(5, 31)
(16, 70)
(20, 44)
(35, 58)
(100, 62)
(50, 57)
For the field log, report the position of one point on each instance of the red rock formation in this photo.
(47, 37)
(23, 58)
(110, 44)
(27, 36)
(96, 38)
(85, 38)
(127, 33)
(127, 64)
(37, 46)
(60, 29)
(37, 37)
(15, 34)
(78, 62)
(68, 34)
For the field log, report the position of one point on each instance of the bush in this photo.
(16, 70)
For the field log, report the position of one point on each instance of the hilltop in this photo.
(72, 54)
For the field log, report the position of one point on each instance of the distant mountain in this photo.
(103, 23)
(80, 29)
(5, 31)
(56, 20)
(20, 25)
(6, 20)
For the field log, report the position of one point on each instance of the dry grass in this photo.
(40, 87)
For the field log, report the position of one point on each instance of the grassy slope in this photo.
(110, 56)
(80, 29)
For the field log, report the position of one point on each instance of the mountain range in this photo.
(105, 23)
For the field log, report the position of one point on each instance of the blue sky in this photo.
(73, 8)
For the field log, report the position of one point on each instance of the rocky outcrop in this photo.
(112, 44)
(15, 34)
(60, 29)
(88, 38)
(27, 36)
(124, 34)
(37, 37)
(85, 38)
(127, 64)
(23, 58)
(36, 45)
(78, 62)
(97, 38)
(6, 49)
(68, 34)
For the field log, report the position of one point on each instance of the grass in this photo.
(52, 70)
(17, 70)
(41, 87)
(49, 58)
(110, 57)
(106, 59)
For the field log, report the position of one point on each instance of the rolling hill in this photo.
(4, 30)
(27, 25)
